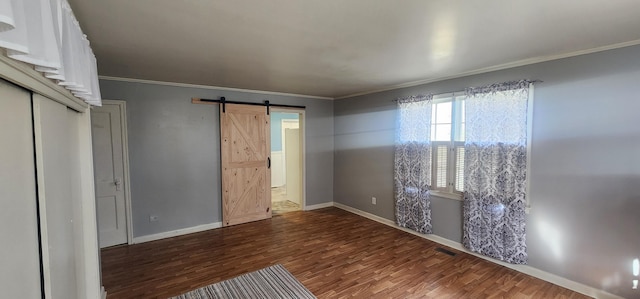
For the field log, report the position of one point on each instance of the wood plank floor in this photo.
(334, 253)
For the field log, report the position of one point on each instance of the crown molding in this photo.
(211, 87)
(497, 68)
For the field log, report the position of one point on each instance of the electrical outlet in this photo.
(153, 218)
(373, 200)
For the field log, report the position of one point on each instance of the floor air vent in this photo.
(440, 249)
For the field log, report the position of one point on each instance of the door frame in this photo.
(122, 106)
(303, 144)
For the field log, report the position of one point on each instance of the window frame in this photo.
(449, 191)
(451, 96)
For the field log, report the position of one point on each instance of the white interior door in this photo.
(108, 159)
(293, 162)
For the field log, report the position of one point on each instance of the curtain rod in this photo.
(456, 91)
(224, 101)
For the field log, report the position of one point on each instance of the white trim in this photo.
(93, 278)
(188, 85)
(122, 106)
(177, 232)
(103, 293)
(546, 276)
(23, 75)
(319, 206)
(303, 128)
(303, 147)
(368, 215)
(497, 68)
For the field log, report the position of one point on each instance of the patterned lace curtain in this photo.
(495, 171)
(412, 164)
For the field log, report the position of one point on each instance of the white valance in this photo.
(46, 34)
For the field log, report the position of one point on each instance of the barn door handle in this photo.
(268, 162)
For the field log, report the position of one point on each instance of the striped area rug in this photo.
(271, 282)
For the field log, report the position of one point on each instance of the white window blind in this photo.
(441, 166)
(459, 179)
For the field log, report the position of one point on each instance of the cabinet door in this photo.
(55, 145)
(19, 252)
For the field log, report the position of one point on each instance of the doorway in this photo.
(287, 153)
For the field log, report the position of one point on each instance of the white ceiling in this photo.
(334, 48)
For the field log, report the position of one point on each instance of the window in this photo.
(447, 141)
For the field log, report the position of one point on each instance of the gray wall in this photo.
(585, 163)
(174, 152)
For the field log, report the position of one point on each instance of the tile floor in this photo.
(279, 202)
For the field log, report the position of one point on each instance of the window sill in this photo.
(447, 195)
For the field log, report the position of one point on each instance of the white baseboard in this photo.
(546, 276)
(319, 206)
(175, 233)
(199, 228)
(103, 293)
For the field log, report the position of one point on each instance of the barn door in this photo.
(246, 177)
